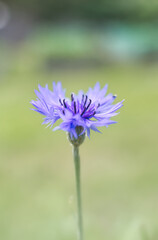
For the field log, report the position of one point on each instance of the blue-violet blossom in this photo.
(85, 110)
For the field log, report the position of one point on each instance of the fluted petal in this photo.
(88, 111)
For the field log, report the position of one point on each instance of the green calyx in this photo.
(80, 139)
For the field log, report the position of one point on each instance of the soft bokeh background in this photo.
(79, 43)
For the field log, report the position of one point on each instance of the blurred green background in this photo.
(79, 43)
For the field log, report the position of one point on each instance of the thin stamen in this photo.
(82, 97)
(72, 97)
(85, 109)
(60, 102)
(89, 104)
(75, 107)
(64, 103)
(85, 101)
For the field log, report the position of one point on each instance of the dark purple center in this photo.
(84, 107)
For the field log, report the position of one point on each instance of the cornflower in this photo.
(80, 114)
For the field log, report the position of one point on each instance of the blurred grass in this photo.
(119, 167)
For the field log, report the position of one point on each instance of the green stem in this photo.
(78, 190)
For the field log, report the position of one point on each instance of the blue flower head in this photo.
(79, 114)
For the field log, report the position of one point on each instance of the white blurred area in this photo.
(4, 15)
